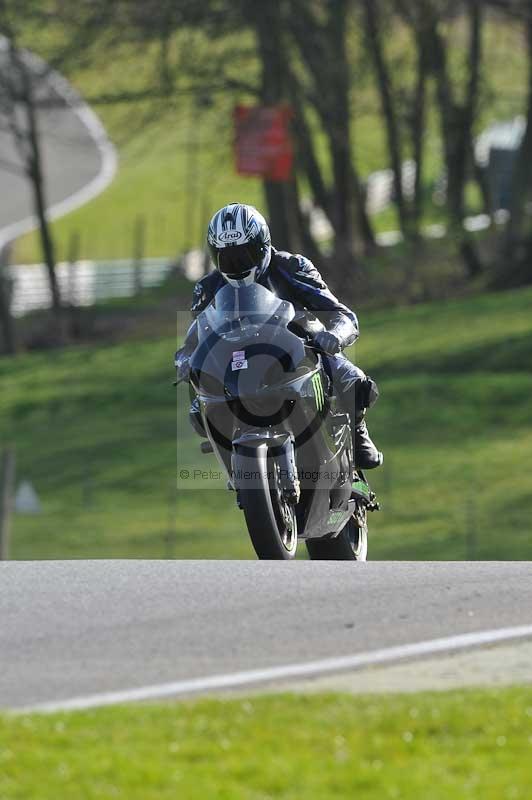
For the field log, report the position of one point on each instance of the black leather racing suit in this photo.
(295, 278)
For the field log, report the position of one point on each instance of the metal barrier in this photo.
(82, 283)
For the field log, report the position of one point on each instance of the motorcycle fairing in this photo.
(250, 325)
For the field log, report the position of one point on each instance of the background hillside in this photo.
(96, 434)
(93, 422)
(176, 152)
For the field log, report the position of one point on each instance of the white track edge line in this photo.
(288, 671)
(108, 155)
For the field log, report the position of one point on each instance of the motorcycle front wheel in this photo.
(271, 522)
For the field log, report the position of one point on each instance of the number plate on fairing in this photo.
(239, 360)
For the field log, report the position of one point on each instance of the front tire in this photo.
(270, 521)
(351, 544)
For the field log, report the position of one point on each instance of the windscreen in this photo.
(240, 311)
(244, 343)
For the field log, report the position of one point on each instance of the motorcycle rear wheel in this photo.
(350, 545)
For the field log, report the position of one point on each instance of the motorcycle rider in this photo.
(240, 246)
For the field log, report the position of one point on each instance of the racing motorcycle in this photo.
(268, 410)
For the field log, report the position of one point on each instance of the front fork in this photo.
(280, 462)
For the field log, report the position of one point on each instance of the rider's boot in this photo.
(366, 454)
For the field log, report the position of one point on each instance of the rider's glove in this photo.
(328, 342)
(182, 365)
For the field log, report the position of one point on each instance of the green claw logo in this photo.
(318, 391)
(335, 517)
(361, 486)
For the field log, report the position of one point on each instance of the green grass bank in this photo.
(98, 433)
(468, 745)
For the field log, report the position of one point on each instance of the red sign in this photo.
(263, 145)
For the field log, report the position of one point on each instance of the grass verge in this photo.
(467, 745)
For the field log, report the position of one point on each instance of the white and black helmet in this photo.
(239, 243)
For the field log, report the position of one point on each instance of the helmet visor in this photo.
(238, 259)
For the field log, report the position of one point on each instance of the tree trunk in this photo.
(309, 245)
(465, 158)
(363, 221)
(418, 132)
(306, 158)
(35, 174)
(45, 236)
(464, 117)
(372, 12)
(481, 177)
(6, 320)
(522, 177)
(516, 256)
(283, 216)
(322, 47)
(457, 126)
(340, 138)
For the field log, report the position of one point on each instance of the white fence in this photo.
(82, 283)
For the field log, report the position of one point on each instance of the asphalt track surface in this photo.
(78, 160)
(82, 628)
